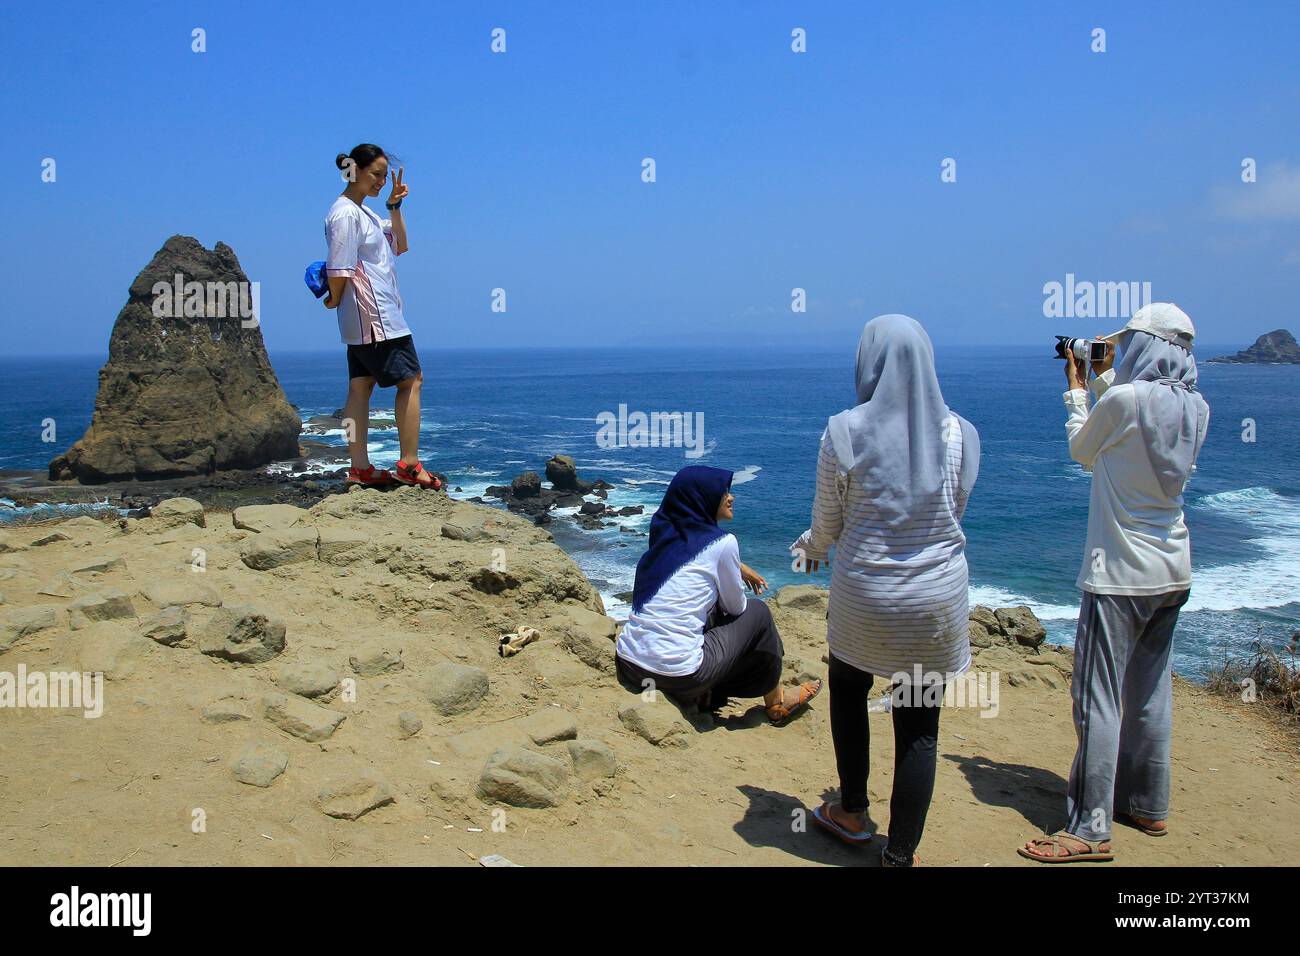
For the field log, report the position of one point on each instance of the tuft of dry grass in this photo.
(1265, 675)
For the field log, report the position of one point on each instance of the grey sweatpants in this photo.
(1123, 702)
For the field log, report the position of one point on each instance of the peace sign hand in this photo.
(400, 190)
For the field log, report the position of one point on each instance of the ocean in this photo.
(489, 415)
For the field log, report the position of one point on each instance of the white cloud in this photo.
(1275, 196)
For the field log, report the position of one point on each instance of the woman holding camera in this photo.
(1140, 440)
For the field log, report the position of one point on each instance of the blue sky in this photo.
(775, 170)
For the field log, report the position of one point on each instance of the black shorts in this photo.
(387, 362)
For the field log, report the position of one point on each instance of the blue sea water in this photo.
(489, 415)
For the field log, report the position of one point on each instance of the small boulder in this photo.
(409, 723)
(592, 759)
(169, 626)
(227, 709)
(347, 796)
(259, 764)
(523, 778)
(52, 538)
(109, 604)
(659, 723)
(376, 656)
(19, 622)
(175, 512)
(109, 649)
(101, 565)
(338, 547)
(243, 634)
(549, 725)
(260, 518)
(1020, 624)
(527, 485)
(180, 590)
(308, 678)
(985, 617)
(457, 532)
(455, 688)
(273, 549)
(979, 634)
(301, 718)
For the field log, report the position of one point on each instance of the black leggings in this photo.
(916, 736)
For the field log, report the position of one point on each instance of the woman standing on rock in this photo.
(361, 267)
(893, 478)
(692, 633)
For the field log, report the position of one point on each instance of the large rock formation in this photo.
(1270, 349)
(188, 388)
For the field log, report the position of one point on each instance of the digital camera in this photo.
(1082, 349)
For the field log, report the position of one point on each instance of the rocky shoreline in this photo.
(1272, 348)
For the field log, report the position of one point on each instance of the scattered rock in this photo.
(259, 764)
(226, 710)
(107, 605)
(549, 725)
(111, 650)
(109, 562)
(455, 688)
(19, 622)
(272, 549)
(181, 590)
(260, 518)
(659, 723)
(409, 723)
(62, 585)
(301, 718)
(1020, 624)
(348, 796)
(175, 512)
(308, 679)
(377, 656)
(592, 759)
(589, 637)
(979, 635)
(523, 778)
(985, 617)
(243, 634)
(343, 546)
(460, 533)
(169, 626)
(52, 538)
(527, 485)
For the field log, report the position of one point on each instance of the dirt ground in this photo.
(132, 786)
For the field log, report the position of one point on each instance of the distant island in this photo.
(1274, 348)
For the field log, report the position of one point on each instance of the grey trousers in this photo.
(1123, 703)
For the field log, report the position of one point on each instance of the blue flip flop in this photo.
(848, 836)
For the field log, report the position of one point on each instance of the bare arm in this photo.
(337, 285)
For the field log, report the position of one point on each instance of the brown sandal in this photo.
(1093, 854)
(1131, 821)
(779, 713)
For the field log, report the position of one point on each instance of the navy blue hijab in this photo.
(685, 524)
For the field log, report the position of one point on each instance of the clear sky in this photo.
(775, 169)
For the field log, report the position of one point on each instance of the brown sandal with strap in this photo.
(1098, 852)
(780, 712)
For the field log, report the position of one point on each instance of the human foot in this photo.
(793, 699)
(1063, 847)
(849, 827)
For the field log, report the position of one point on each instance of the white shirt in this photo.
(667, 635)
(361, 248)
(899, 595)
(1137, 541)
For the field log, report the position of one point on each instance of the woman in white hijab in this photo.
(893, 477)
(1140, 440)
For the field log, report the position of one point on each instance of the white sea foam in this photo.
(1000, 597)
(1268, 581)
(746, 474)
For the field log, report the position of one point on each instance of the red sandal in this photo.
(417, 475)
(370, 478)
